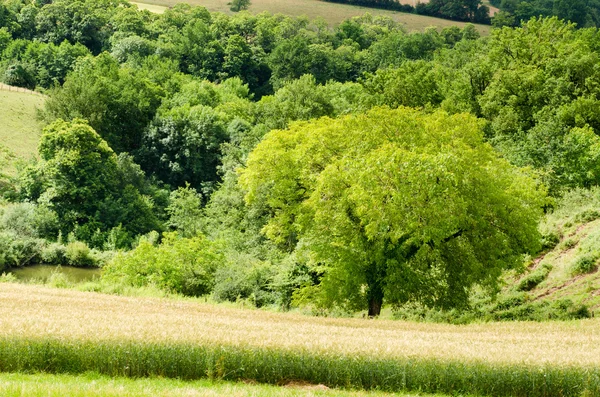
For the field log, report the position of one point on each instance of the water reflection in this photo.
(44, 272)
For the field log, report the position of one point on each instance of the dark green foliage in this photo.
(239, 5)
(118, 102)
(550, 240)
(244, 278)
(459, 10)
(183, 146)
(19, 75)
(585, 264)
(532, 279)
(90, 189)
(585, 13)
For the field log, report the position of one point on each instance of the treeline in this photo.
(585, 13)
(458, 10)
(151, 119)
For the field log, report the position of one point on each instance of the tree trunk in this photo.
(375, 290)
(375, 306)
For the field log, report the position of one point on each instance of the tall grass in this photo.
(277, 366)
(65, 331)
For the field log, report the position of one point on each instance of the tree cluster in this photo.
(585, 13)
(457, 10)
(346, 167)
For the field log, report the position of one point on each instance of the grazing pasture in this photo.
(332, 13)
(19, 128)
(65, 331)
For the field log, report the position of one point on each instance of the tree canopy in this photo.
(396, 205)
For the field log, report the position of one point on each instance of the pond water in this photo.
(43, 273)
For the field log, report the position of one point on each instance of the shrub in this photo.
(181, 265)
(58, 280)
(534, 278)
(54, 254)
(78, 254)
(8, 278)
(247, 278)
(588, 215)
(19, 251)
(585, 264)
(550, 240)
(568, 243)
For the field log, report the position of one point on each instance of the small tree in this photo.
(395, 204)
(239, 5)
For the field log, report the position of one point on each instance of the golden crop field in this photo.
(333, 13)
(40, 312)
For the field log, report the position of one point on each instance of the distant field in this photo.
(93, 385)
(333, 13)
(19, 128)
(150, 7)
(56, 331)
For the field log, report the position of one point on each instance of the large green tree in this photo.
(396, 205)
(91, 189)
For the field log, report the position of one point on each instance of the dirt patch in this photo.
(298, 384)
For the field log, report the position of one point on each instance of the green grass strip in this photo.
(137, 359)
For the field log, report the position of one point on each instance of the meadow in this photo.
(92, 385)
(332, 13)
(66, 331)
(20, 130)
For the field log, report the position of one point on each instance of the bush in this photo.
(54, 254)
(20, 75)
(585, 264)
(534, 278)
(79, 254)
(588, 215)
(550, 240)
(247, 278)
(19, 251)
(180, 265)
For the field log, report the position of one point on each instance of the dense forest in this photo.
(585, 13)
(458, 10)
(286, 162)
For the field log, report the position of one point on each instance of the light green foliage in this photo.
(412, 84)
(396, 203)
(180, 265)
(185, 211)
(95, 385)
(138, 359)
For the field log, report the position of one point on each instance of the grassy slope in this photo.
(93, 385)
(19, 127)
(577, 224)
(332, 13)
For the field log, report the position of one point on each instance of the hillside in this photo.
(20, 128)
(570, 268)
(333, 13)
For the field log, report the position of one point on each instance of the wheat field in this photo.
(35, 311)
(66, 331)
